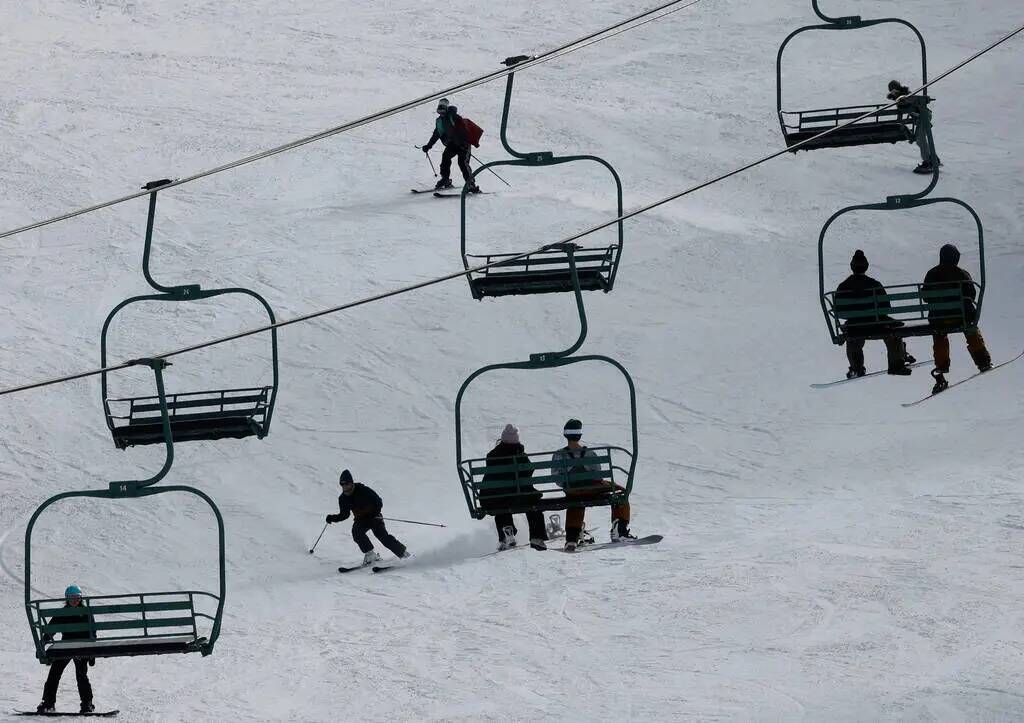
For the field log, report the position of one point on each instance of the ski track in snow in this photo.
(828, 555)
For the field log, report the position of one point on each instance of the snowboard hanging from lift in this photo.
(827, 385)
(648, 540)
(965, 379)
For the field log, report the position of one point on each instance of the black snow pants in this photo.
(81, 675)
(534, 519)
(463, 153)
(361, 525)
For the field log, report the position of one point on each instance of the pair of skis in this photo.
(836, 383)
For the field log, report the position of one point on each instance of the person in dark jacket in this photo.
(859, 285)
(450, 130)
(508, 450)
(916, 107)
(72, 599)
(365, 507)
(949, 275)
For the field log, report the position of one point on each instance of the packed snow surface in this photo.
(828, 555)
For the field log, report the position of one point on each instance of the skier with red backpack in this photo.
(456, 135)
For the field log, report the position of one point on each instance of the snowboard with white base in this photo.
(648, 540)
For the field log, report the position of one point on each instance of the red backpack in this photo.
(473, 131)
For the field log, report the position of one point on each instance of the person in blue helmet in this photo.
(72, 599)
(451, 129)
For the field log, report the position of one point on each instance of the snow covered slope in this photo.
(828, 555)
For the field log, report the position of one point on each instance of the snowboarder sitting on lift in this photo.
(453, 132)
(506, 450)
(72, 599)
(365, 507)
(948, 275)
(859, 285)
(916, 106)
(574, 517)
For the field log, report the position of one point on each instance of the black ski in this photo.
(439, 194)
(649, 540)
(836, 383)
(350, 569)
(384, 568)
(103, 714)
(965, 379)
(433, 189)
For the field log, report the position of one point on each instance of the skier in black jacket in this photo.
(72, 599)
(449, 129)
(859, 285)
(365, 507)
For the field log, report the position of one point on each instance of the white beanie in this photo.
(510, 434)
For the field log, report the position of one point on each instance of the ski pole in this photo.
(413, 522)
(429, 160)
(318, 539)
(495, 174)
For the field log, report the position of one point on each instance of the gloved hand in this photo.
(92, 662)
(331, 518)
(426, 148)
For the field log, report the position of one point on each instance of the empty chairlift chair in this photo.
(541, 484)
(547, 271)
(194, 415)
(891, 125)
(148, 623)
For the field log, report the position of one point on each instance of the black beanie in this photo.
(859, 262)
(949, 255)
(346, 477)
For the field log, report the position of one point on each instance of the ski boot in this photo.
(855, 372)
(45, 707)
(370, 557)
(87, 707)
(940, 381)
(538, 544)
(900, 371)
(471, 187)
(570, 546)
(586, 538)
(443, 184)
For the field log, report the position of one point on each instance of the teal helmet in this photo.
(72, 590)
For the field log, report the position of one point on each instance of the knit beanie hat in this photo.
(573, 429)
(510, 434)
(949, 255)
(859, 262)
(346, 478)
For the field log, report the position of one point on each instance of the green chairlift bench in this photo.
(891, 125)
(195, 415)
(547, 271)
(147, 623)
(902, 310)
(545, 487)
